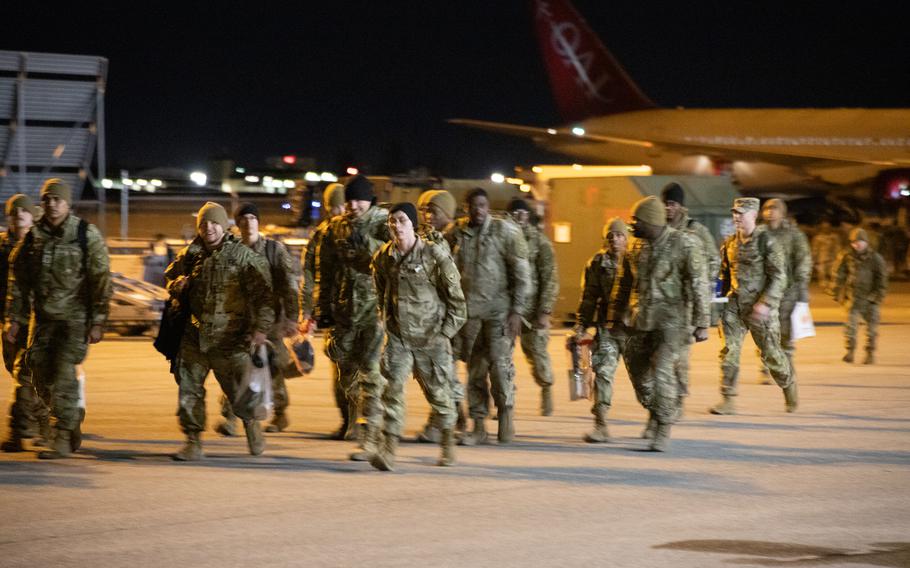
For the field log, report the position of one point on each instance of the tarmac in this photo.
(826, 486)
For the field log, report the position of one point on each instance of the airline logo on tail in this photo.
(585, 78)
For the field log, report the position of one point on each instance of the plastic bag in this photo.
(801, 324)
(255, 387)
(581, 374)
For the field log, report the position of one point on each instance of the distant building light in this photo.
(515, 181)
(199, 178)
(135, 187)
(328, 176)
(290, 160)
(524, 187)
(311, 176)
(126, 181)
(142, 181)
(157, 183)
(289, 183)
(352, 171)
(285, 205)
(267, 180)
(578, 131)
(107, 183)
(551, 131)
(315, 204)
(497, 178)
(251, 179)
(240, 170)
(537, 169)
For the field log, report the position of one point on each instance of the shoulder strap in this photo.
(271, 251)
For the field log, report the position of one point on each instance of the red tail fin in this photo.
(585, 78)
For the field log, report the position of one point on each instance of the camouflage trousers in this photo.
(534, 346)
(490, 348)
(607, 349)
(681, 369)
(868, 312)
(735, 322)
(193, 367)
(356, 353)
(651, 363)
(278, 360)
(55, 348)
(26, 409)
(430, 367)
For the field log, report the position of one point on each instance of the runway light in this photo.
(551, 131)
(578, 131)
(497, 178)
(352, 171)
(199, 178)
(107, 183)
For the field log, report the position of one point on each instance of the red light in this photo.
(289, 159)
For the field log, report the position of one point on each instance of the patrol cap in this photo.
(59, 188)
(744, 204)
(21, 201)
(333, 196)
(858, 234)
(615, 225)
(213, 212)
(775, 203)
(650, 210)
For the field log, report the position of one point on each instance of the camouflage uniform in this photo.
(423, 307)
(355, 343)
(712, 261)
(752, 270)
(68, 294)
(227, 295)
(825, 247)
(542, 291)
(493, 262)
(860, 282)
(798, 257)
(669, 295)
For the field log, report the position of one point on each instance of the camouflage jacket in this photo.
(48, 269)
(7, 243)
(798, 255)
(860, 277)
(311, 285)
(285, 303)
(544, 284)
(344, 263)
(703, 236)
(670, 289)
(600, 305)
(430, 234)
(228, 292)
(493, 262)
(754, 270)
(419, 293)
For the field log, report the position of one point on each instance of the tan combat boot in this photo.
(370, 444)
(384, 459)
(478, 436)
(546, 401)
(506, 427)
(661, 441)
(725, 407)
(650, 427)
(461, 423)
(870, 358)
(227, 427)
(60, 448)
(430, 434)
(278, 423)
(848, 358)
(255, 441)
(192, 449)
(600, 434)
(791, 397)
(447, 456)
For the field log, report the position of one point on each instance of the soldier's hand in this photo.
(761, 311)
(701, 334)
(12, 331)
(95, 333)
(258, 338)
(543, 321)
(513, 325)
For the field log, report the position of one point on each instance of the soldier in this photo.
(61, 277)
(26, 409)
(674, 199)
(286, 308)
(798, 258)
(422, 307)
(542, 291)
(226, 288)
(860, 282)
(492, 258)
(437, 207)
(825, 248)
(607, 270)
(669, 296)
(355, 343)
(312, 287)
(753, 274)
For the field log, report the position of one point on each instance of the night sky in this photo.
(373, 82)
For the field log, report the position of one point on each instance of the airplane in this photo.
(797, 152)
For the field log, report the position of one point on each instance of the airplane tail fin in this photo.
(585, 78)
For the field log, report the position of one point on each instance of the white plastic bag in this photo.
(801, 324)
(256, 386)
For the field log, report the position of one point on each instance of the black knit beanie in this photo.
(673, 192)
(358, 188)
(408, 209)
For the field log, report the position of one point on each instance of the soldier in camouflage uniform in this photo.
(669, 296)
(826, 245)
(860, 281)
(608, 270)
(355, 343)
(798, 257)
(311, 288)
(26, 409)
(61, 277)
(674, 199)
(286, 308)
(492, 257)
(753, 274)
(226, 288)
(422, 307)
(437, 208)
(542, 291)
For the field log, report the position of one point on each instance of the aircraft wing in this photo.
(544, 134)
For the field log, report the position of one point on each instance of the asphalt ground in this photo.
(826, 486)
